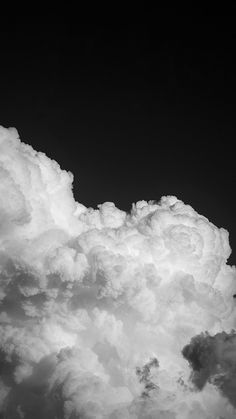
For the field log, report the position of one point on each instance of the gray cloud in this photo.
(213, 360)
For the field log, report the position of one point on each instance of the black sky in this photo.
(134, 111)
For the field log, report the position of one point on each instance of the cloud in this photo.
(97, 304)
(213, 360)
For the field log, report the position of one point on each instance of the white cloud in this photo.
(90, 297)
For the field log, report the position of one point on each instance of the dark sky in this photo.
(134, 111)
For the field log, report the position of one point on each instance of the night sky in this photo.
(133, 111)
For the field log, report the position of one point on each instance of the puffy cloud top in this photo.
(97, 305)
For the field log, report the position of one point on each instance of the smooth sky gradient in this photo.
(133, 111)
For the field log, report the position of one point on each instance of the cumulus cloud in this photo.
(101, 311)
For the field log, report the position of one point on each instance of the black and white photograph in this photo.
(117, 217)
